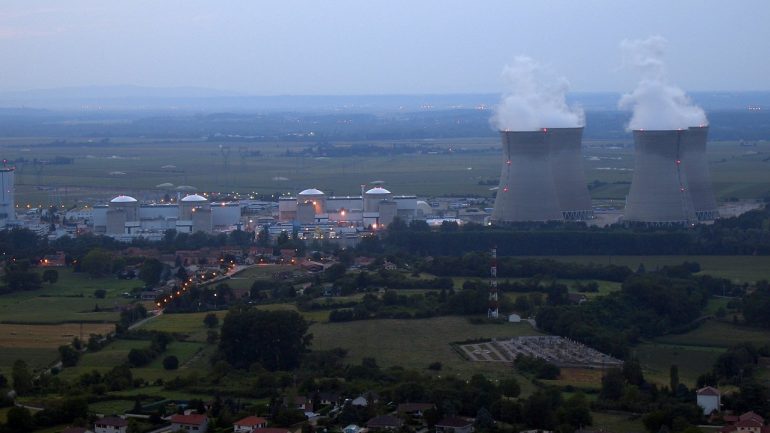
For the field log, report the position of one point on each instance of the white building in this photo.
(709, 399)
(110, 424)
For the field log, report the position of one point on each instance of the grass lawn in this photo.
(616, 422)
(111, 407)
(714, 333)
(48, 336)
(415, 343)
(657, 359)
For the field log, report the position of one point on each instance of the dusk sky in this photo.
(374, 47)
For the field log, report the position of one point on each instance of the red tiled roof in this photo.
(251, 421)
(113, 421)
(752, 416)
(707, 390)
(454, 422)
(193, 419)
(748, 423)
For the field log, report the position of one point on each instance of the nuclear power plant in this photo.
(671, 183)
(542, 177)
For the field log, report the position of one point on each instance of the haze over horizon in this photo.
(352, 48)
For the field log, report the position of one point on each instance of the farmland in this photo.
(100, 171)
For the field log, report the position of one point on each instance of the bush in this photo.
(171, 362)
(100, 293)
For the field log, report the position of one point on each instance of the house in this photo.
(576, 298)
(414, 409)
(709, 399)
(454, 425)
(248, 424)
(54, 260)
(300, 403)
(364, 399)
(192, 423)
(327, 398)
(749, 422)
(384, 422)
(110, 424)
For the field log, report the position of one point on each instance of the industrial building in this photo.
(7, 201)
(376, 207)
(542, 177)
(671, 184)
(124, 216)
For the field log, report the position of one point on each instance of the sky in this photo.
(347, 47)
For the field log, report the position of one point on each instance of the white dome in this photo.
(378, 190)
(194, 198)
(123, 199)
(311, 191)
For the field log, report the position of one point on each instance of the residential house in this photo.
(248, 424)
(110, 424)
(328, 398)
(193, 423)
(709, 399)
(54, 260)
(749, 422)
(366, 399)
(384, 423)
(454, 425)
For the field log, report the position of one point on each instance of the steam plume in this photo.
(534, 99)
(656, 104)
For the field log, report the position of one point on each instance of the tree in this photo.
(22, 378)
(510, 387)
(150, 272)
(612, 385)
(19, 420)
(50, 276)
(100, 293)
(275, 339)
(69, 356)
(211, 320)
(674, 377)
(171, 362)
(97, 263)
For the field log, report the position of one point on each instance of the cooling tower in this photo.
(568, 175)
(527, 191)
(696, 169)
(659, 194)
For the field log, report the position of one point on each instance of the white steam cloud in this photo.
(656, 104)
(535, 98)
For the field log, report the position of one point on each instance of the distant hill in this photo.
(211, 100)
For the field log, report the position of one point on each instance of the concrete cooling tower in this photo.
(659, 193)
(696, 170)
(568, 174)
(527, 191)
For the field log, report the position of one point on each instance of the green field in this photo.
(736, 172)
(116, 353)
(413, 343)
(617, 422)
(714, 333)
(737, 268)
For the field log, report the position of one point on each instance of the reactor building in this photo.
(542, 177)
(671, 184)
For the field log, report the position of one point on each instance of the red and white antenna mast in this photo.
(493, 302)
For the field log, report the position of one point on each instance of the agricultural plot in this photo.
(692, 361)
(720, 334)
(737, 268)
(414, 343)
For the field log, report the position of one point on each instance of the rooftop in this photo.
(123, 199)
